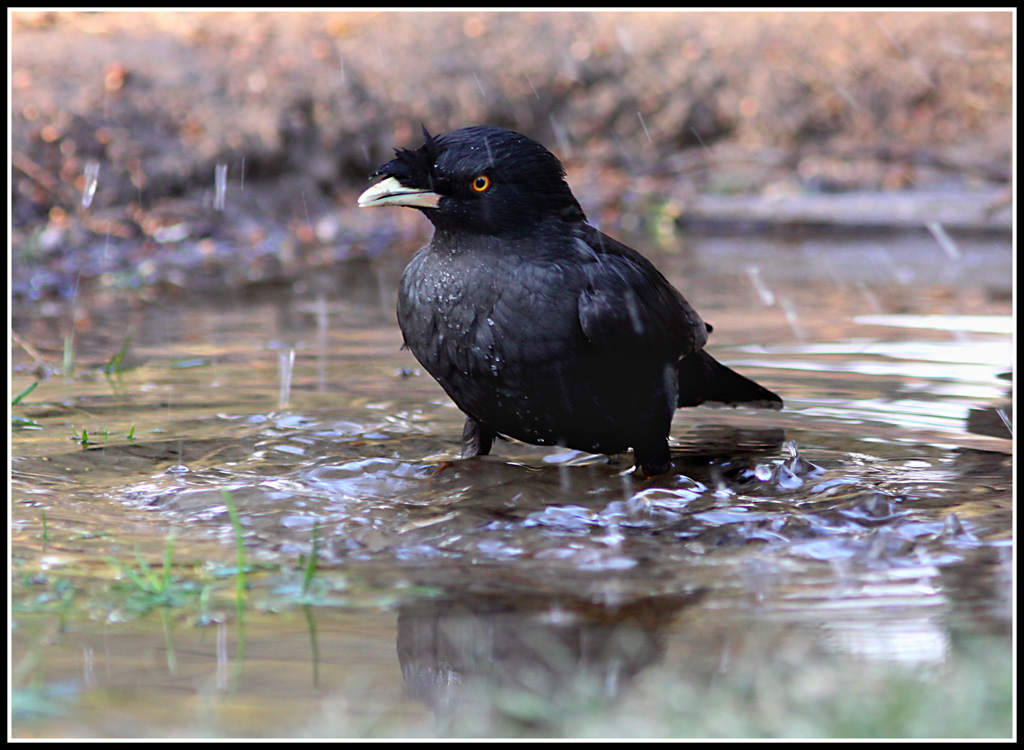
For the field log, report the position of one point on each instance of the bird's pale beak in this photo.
(391, 192)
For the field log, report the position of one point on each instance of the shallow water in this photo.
(861, 536)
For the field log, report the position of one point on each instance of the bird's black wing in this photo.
(628, 307)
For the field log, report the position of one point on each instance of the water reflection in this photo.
(454, 651)
(869, 520)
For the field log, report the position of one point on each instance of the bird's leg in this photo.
(476, 439)
(653, 460)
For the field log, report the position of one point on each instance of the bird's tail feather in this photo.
(702, 379)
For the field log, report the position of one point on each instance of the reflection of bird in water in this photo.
(538, 326)
(453, 651)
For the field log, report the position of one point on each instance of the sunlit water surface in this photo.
(863, 532)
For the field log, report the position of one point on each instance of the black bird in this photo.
(538, 326)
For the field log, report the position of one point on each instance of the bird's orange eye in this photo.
(481, 183)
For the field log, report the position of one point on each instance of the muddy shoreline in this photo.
(724, 120)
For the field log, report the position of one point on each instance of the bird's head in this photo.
(478, 179)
